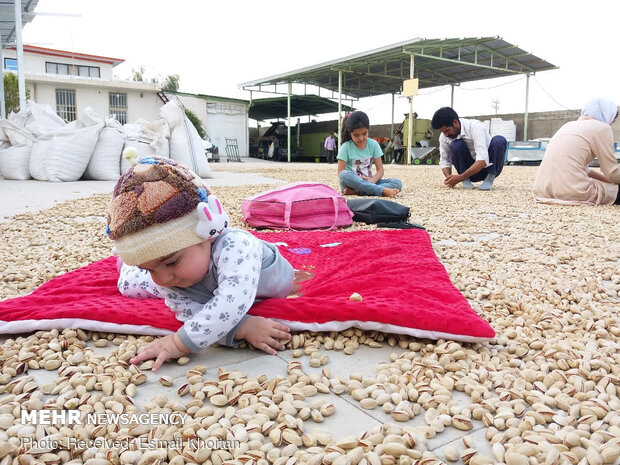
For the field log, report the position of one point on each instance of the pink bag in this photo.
(299, 205)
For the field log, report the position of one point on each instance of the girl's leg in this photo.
(391, 183)
(352, 181)
(390, 187)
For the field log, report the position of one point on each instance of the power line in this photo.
(495, 87)
(439, 89)
(551, 97)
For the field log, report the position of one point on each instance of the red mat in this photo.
(404, 287)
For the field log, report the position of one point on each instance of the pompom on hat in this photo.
(159, 207)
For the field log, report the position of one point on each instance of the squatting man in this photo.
(466, 144)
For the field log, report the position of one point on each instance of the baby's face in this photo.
(184, 268)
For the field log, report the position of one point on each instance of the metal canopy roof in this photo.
(301, 105)
(437, 62)
(7, 18)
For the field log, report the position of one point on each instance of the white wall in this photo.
(144, 105)
(221, 120)
(140, 104)
(221, 126)
(35, 63)
(196, 105)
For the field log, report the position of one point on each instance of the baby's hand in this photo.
(263, 333)
(161, 350)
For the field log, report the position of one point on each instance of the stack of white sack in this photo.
(15, 148)
(37, 143)
(19, 132)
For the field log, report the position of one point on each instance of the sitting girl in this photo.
(355, 159)
(564, 176)
(172, 236)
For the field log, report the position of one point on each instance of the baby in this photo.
(172, 236)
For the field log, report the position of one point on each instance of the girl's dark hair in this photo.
(353, 121)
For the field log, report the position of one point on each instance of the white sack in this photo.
(170, 112)
(157, 133)
(41, 119)
(63, 156)
(15, 134)
(15, 161)
(133, 129)
(88, 117)
(18, 119)
(186, 146)
(148, 137)
(104, 163)
(159, 147)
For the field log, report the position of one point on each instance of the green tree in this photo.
(137, 74)
(171, 83)
(11, 93)
(196, 122)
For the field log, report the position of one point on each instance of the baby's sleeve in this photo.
(238, 259)
(137, 283)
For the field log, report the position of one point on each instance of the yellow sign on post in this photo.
(410, 87)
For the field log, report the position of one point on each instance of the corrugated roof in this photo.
(437, 62)
(301, 105)
(7, 18)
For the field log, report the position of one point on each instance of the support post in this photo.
(410, 119)
(247, 125)
(2, 104)
(527, 98)
(392, 125)
(288, 122)
(452, 95)
(339, 109)
(21, 80)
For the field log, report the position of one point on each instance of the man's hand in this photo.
(263, 333)
(161, 350)
(453, 179)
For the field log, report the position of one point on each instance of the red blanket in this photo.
(404, 289)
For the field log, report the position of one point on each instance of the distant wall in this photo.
(542, 124)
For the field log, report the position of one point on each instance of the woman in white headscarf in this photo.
(564, 176)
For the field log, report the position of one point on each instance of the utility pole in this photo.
(495, 105)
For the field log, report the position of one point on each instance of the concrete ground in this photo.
(29, 196)
(349, 418)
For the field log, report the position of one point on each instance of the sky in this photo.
(216, 45)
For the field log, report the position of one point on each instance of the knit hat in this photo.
(159, 207)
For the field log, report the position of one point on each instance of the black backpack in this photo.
(383, 213)
(371, 211)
